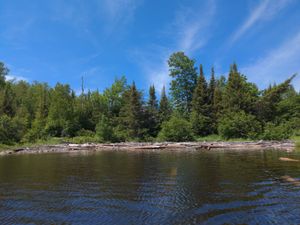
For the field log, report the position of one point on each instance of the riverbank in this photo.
(165, 146)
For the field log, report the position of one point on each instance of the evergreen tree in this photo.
(164, 107)
(132, 114)
(239, 94)
(183, 71)
(267, 105)
(152, 113)
(212, 86)
(200, 107)
(152, 103)
(218, 97)
(3, 73)
(234, 107)
(211, 97)
(84, 111)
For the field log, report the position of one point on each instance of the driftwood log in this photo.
(170, 146)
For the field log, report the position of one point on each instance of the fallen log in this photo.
(291, 180)
(288, 159)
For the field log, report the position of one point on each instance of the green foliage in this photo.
(183, 72)
(85, 133)
(212, 112)
(239, 94)
(8, 101)
(164, 107)
(61, 118)
(82, 139)
(104, 130)
(267, 105)
(152, 121)
(3, 73)
(234, 107)
(201, 124)
(114, 97)
(200, 117)
(84, 111)
(132, 114)
(200, 95)
(217, 104)
(239, 125)
(176, 129)
(212, 87)
(11, 130)
(277, 132)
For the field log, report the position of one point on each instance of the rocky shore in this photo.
(165, 146)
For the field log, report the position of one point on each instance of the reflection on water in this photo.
(150, 188)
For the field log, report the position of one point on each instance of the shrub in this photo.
(201, 125)
(11, 130)
(82, 139)
(85, 133)
(272, 131)
(104, 130)
(239, 125)
(176, 129)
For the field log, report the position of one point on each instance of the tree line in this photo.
(231, 107)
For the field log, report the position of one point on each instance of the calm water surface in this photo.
(149, 188)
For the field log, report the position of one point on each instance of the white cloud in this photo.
(190, 30)
(264, 11)
(193, 27)
(118, 13)
(277, 65)
(16, 78)
(88, 17)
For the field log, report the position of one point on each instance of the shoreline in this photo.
(156, 146)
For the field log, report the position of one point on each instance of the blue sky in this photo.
(63, 40)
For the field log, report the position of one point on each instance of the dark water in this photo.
(149, 188)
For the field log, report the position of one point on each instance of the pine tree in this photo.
(218, 97)
(239, 94)
(267, 105)
(152, 103)
(200, 107)
(152, 113)
(3, 73)
(164, 107)
(211, 96)
(132, 114)
(84, 111)
(212, 86)
(200, 96)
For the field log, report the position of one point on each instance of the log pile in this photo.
(170, 146)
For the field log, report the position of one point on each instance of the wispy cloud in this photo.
(118, 13)
(16, 78)
(193, 27)
(278, 64)
(153, 62)
(264, 11)
(188, 32)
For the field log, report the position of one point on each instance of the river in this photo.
(213, 187)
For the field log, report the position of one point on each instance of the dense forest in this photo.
(231, 107)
